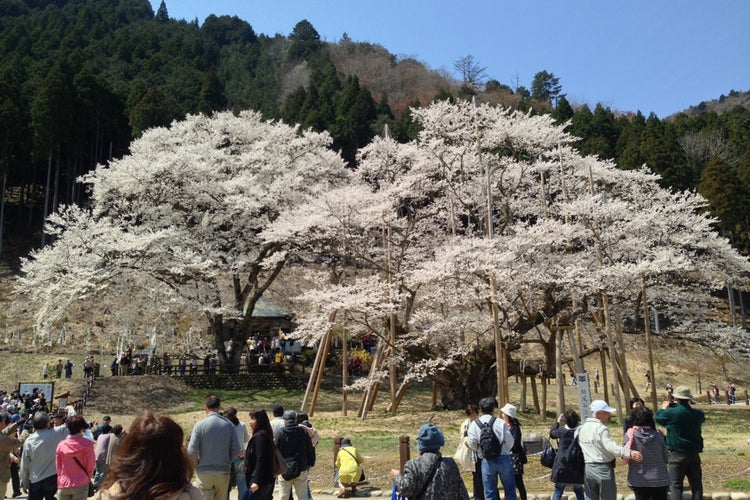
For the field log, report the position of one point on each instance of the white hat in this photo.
(510, 410)
(600, 405)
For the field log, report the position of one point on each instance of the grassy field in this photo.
(726, 432)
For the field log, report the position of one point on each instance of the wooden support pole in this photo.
(403, 451)
(612, 359)
(603, 363)
(559, 371)
(344, 367)
(321, 371)
(336, 447)
(649, 347)
(621, 358)
(534, 393)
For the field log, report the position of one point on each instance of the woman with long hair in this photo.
(518, 453)
(259, 458)
(151, 463)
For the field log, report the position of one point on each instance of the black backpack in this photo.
(488, 441)
(572, 457)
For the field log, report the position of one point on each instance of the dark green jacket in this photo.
(683, 425)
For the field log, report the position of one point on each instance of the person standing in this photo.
(59, 368)
(649, 479)
(277, 422)
(103, 428)
(304, 422)
(295, 446)
(38, 472)
(466, 457)
(684, 442)
(635, 403)
(258, 459)
(599, 452)
(562, 475)
(101, 448)
(241, 429)
(7, 444)
(68, 369)
(213, 445)
(118, 434)
(497, 465)
(75, 461)
(517, 452)
(430, 475)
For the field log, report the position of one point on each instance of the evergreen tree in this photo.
(563, 111)
(546, 87)
(212, 95)
(305, 42)
(162, 15)
(721, 187)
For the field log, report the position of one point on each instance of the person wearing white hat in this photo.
(684, 442)
(599, 453)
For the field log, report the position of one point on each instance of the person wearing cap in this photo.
(684, 442)
(430, 475)
(295, 446)
(213, 445)
(599, 453)
(500, 465)
(517, 453)
(104, 428)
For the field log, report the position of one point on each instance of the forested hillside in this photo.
(79, 79)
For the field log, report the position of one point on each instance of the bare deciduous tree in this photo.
(472, 73)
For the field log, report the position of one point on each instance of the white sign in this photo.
(584, 395)
(48, 388)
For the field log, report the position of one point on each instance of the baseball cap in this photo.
(600, 405)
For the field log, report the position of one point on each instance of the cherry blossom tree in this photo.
(177, 221)
(570, 233)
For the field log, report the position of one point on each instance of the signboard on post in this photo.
(48, 388)
(584, 395)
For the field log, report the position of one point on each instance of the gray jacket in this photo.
(446, 483)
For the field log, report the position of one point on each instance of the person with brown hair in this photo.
(259, 457)
(151, 463)
(75, 461)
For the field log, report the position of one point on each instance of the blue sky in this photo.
(656, 56)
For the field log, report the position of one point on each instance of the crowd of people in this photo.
(657, 465)
(491, 448)
(62, 456)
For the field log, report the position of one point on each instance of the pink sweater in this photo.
(69, 473)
